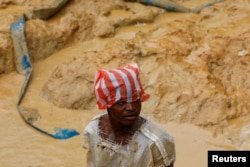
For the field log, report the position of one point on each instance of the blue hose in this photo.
(23, 60)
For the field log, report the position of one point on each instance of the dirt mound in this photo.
(182, 87)
(72, 24)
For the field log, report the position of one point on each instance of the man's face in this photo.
(124, 112)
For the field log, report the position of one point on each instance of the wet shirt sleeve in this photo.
(87, 147)
(158, 159)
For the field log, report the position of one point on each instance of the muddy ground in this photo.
(196, 68)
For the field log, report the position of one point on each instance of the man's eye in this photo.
(121, 103)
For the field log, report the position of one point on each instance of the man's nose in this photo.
(130, 107)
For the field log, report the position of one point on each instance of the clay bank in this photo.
(196, 68)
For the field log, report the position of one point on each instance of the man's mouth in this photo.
(130, 117)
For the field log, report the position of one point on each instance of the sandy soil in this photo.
(196, 68)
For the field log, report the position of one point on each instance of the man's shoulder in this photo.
(92, 126)
(162, 143)
(156, 132)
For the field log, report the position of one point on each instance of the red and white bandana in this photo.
(113, 85)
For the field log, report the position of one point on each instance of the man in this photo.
(121, 137)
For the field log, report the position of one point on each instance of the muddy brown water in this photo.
(23, 146)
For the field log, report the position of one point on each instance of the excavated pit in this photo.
(196, 67)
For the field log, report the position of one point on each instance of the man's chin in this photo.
(128, 121)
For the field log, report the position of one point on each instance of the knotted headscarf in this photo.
(113, 85)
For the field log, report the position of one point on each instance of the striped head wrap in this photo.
(113, 85)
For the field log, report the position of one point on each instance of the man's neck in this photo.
(120, 132)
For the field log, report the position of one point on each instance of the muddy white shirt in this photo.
(149, 147)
